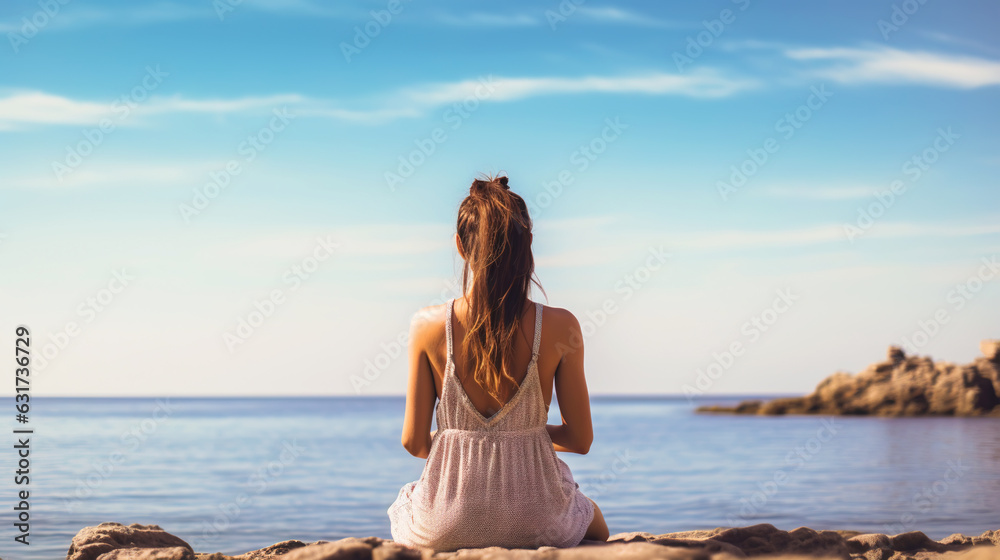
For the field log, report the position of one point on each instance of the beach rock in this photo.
(174, 553)
(95, 543)
(990, 349)
(113, 541)
(868, 541)
(899, 386)
(344, 549)
(276, 549)
(915, 540)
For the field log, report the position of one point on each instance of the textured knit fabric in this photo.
(491, 481)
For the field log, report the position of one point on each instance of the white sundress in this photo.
(491, 481)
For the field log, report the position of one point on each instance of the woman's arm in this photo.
(576, 432)
(420, 391)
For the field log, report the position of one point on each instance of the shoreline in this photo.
(114, 541)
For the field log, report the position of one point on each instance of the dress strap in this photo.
(447, 328)
(538, 330)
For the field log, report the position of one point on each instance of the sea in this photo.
(237, 474)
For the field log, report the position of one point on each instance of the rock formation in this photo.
(114, 541)
(900, 386)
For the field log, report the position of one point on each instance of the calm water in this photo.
(232, 475)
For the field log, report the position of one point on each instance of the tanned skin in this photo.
(560, 365)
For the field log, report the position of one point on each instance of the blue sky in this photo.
(822, 176)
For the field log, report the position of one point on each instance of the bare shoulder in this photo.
(561, 323)
(428, 321)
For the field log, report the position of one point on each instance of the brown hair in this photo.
(494, 229)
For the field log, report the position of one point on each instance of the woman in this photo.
(491, 357)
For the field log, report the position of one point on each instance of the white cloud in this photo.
(488, 20)
(94, 174)
(574, 224)
(137, 14)
(818, 192)
(36, 107)
(612, 14)
(698, 84)
(763, 239)
(888, 65)
(168, 12)
(40, 107)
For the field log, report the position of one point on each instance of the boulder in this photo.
(94, 543)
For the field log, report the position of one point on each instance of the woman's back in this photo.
(492, 477)
(491, 480)
(523, 354)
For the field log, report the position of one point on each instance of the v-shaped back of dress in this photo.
(524, 411)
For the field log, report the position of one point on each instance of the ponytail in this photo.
(494, 229)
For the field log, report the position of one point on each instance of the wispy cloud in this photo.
(43, 108)
(818, 192)
(40, 108)
(616, 15)
(116, 174)
(482, 19)
(76, 16)
(832, 233)
(37, 107)
(889, 65)
(699, 84)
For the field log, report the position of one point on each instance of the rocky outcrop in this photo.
(899, 386)
(114, 541)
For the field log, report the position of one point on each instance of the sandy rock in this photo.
(276, 549)
(758, 541)
(174, 553)
(389, 550)
(344, 549)
(622, 551)
(899, 386)
(916, 540)
(989, 537)
(990, 349)
(93, 543)
(868, 541)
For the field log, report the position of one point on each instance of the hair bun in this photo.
(503, 182)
